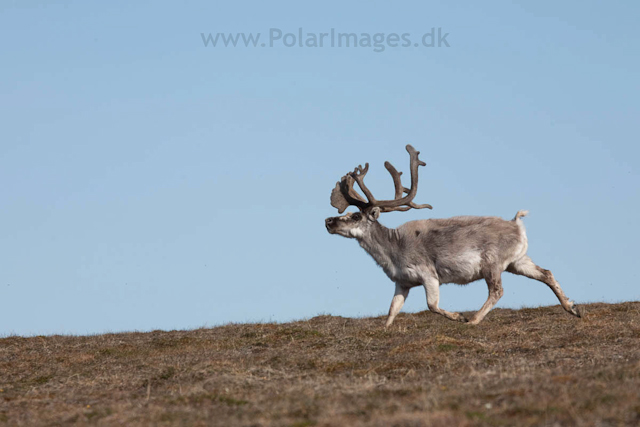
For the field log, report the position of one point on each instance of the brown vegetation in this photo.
(519, 367)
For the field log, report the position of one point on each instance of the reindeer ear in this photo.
(374, 214)
(338, 200)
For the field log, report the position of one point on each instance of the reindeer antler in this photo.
(344, 195)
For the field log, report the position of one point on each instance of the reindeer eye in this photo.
(356, 217)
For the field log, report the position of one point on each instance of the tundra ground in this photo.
(537, 366)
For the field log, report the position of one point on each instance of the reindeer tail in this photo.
(520, 214)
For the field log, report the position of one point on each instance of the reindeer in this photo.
(431, 252)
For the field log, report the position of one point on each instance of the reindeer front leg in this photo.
(397, 302)
(432, 288)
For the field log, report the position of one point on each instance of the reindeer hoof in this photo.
(461, 318)
(575, 310)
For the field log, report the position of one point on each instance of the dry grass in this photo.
(519, 367)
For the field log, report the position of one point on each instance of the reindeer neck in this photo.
(381, 242)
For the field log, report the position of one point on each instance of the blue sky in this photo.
(150, 182)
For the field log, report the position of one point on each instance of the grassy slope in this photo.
(518, 367)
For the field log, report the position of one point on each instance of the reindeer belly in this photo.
(412, 275)
(460, 268)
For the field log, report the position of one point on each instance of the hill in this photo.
(523, 367)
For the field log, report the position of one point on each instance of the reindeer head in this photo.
(344, 195)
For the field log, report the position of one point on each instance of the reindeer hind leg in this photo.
(526, 267)
(494, 283)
